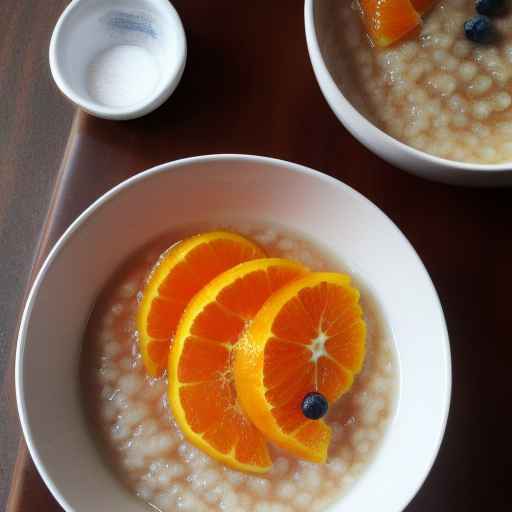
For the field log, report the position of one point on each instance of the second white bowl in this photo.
(393, 151)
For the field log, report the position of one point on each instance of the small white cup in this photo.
(390, 149)
(118, 59)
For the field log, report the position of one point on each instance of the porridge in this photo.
(434, 90)
(138, 434)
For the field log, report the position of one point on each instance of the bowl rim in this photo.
(152, 102)
(322, 73)
(169, 167)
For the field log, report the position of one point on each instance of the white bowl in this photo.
(208, 188)
(393, 151)
(118, 59)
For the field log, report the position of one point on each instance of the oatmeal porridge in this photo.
(435, 90)
(140, 439)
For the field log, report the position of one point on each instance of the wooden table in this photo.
(249, 88)
(34, 127)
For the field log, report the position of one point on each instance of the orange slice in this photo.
(422, 6)
(309, 336)
(201, 389)
(388, 21)
(180, 273)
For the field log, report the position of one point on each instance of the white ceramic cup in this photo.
(202, 189)
(118, 59)
(393, 151)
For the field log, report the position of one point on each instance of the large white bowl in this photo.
(336, 92)
(239, 187)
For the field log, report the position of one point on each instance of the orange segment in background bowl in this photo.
(202, 392)
(180, 273)
(308, 337)
(388, 21)
(423, 6)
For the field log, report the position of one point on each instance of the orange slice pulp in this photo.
(388, 21)
(180, 273)
(308, 336)
(201, 391)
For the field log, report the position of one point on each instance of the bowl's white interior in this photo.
(93, 26)
(203, 188)
(336, 56)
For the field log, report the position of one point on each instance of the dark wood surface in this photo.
(34, 127)
(249, 88)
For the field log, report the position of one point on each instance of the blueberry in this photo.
(314, 406)
(479, 29)
(490, 7)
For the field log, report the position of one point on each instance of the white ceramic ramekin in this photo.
(89, 28)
